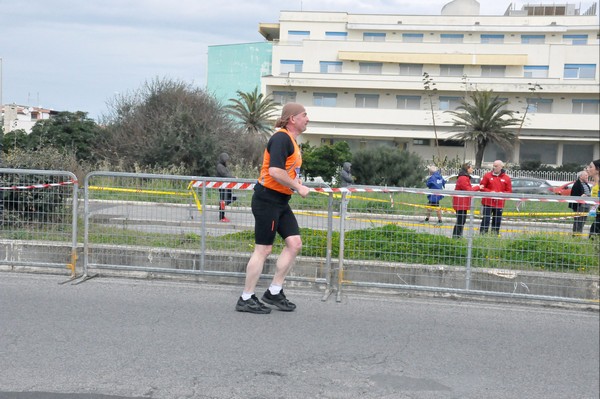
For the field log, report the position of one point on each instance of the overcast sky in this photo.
(72, 55)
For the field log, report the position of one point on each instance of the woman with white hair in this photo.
(581, 188)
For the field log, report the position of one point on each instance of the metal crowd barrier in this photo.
(361, 236)
(38, 218)
(536, 254)
(172, 224)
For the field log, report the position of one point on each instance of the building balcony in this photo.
(370, 120)
(447, 84)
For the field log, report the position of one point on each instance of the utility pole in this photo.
(1, 103)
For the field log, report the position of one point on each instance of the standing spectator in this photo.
(278, 180)
(225, 194)
(435, 182)
(580, 188)
(496, 181)
(593, 170)
(462, 204)
(346, 175)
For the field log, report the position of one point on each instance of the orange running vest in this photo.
(292, 167)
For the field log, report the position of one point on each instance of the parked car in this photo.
(451, 181)
(564, 189)
(530, 185)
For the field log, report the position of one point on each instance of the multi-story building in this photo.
(237, 67)
(361, 77)
(23, 117)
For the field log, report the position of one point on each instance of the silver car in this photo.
(531, 185)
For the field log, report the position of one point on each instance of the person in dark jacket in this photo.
(496, 181)
(462, 204)
(225, 194)
(580, 188)
(593, 170)
(434, 182)
(346, 175)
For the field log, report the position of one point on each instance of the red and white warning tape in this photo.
(34, 186)
(250, 186)
(221, 184)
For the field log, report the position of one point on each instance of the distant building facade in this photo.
(361, 76)
(237, 67)
(23, 117)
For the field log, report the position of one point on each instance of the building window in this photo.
(575, 39)
(505, 106)
(450, 143)
(580, 71)
(330, 66)
(284, 97)
(541, 151)
(336, 35)
(324, 99)
(411, 69)
(451, 38)
(367, 100)
(373, 37)
(539, 105)
(449, 103)
(492, 39)
(412, 37)
(533, 39)
(298, 35)
(326, 141)
(492, 152)
(373, 68)
(424, 142)
(451, 70)
(586, 106)
(288, 66)
(408, 102)
(535, 71)
(577, 153)
(493, 71)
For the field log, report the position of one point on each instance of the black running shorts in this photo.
(272, 215)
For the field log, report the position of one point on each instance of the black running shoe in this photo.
(278, 300)
(252, 305)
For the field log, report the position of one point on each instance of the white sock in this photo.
(246, 295)
(275, 289)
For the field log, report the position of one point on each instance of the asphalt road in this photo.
(124, 338)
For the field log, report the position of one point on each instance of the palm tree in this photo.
(484, 121)
(252, 112)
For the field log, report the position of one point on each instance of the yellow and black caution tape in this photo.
(191, 192)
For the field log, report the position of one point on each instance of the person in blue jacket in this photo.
(435, 182)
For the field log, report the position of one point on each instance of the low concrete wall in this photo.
(310, 271)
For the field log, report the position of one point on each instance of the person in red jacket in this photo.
(462, 204)
(496, 181)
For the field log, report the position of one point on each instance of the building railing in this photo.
(553, 176)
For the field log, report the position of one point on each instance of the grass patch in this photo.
(389, 243)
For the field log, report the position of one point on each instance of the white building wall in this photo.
(387, 124)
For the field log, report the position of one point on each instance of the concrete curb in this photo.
(365, 276)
